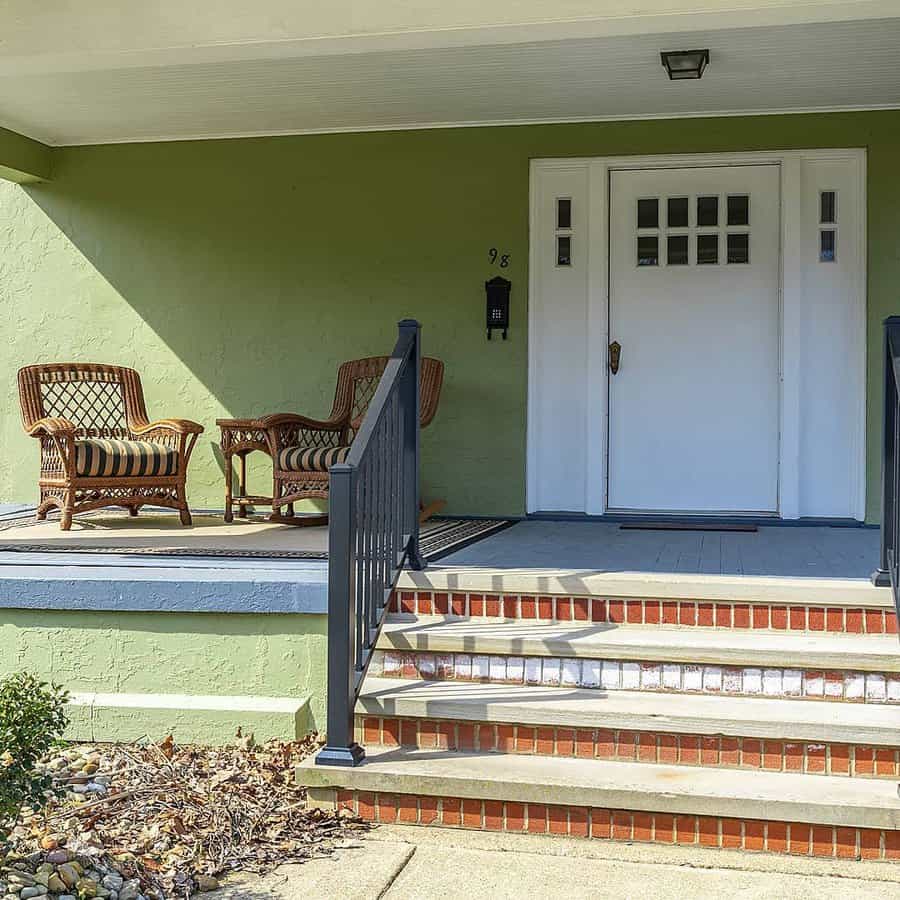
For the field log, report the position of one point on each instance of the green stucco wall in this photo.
(171, 653)
(237, 274)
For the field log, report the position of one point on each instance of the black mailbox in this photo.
(497, 290)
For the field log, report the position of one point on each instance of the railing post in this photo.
(881, 577)
(341, 749)
(411, 399)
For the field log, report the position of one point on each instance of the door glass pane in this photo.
(648, 250)
(563, 250)
(677, 216)
(564, 212)
(707, 212)
(827, 208)
(738, 248)
(738, 209)
(648, 213)
(827, 246)
(677, 250)
(707, 249)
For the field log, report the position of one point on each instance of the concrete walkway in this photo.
(402, 863)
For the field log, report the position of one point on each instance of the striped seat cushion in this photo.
(310, 459)
(96, 458)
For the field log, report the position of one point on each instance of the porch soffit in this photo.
(96, 74)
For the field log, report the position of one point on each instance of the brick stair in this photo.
(754, 725)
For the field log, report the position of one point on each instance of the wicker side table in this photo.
(240, 438)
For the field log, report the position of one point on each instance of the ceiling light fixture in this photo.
(682, 64)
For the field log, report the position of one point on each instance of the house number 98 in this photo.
(498, 258)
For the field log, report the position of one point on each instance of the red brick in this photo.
(471, 813)
(493, 815)
(800, 838)
(545, 744)
(890, 622)
(601, 825)
(528, 607)
(537, 818)
(580, 610)
(428, 735)
(584, 743)
(793, 757)
(442, 604)
(845, 843)
(646, 746)
(884, 761)
(565, 742)
(458, 604)
(407, 602)
(446, 736)
(621, 825)
(798, 618)
(687, 613)
(773, 755)
(365, 806)
(690, 750)
(605, 743)
(834, 619)
(450, 811)
(869, 843)
(558, 818)
(625, 748)
(486, 738)
(408, 666)
(840, 759)
(892, 845)
(730, 752)
(515, 816)
(686, 829)
(428, 810)
(779, 617)
(874, 621)
(643, 827)
(394, 602)
(525, 739)
(408, 811)
(708, 831)
(372, 731)
(731, 834)
(665, 828)
(545, 608)
(511, 607)
(409, 732)
(390, 732)
(387, 808)
(854, 619)
(709, 750)
(723, 615)
(563, 609)
(476, 605)
(465, 736)
(505, 739)
(816, 618)
(864, 761)
(598, 610)
(776, 841)
(668, 748)
(424, 605)
(754, 835)
(578, 821)
(346, 800)
(634, 612)
(742, 616)
(823, 840)
(651, 612)
(751, 753)
(705, 617)
(760, 616)
(492, 606)
(815, 758)
(670, 612)
(615, 611)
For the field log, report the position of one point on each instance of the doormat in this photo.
(159, 533)
(685, 526)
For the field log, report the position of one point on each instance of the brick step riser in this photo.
(797, 838)
(838, 686)
(630, 746)
(759, 616)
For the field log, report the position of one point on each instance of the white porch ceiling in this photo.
(826, 65)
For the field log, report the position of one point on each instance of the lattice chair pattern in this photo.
(98, 447)
(303, 449)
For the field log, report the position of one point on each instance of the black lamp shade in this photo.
(684, 64)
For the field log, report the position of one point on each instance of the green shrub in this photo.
(32, 719)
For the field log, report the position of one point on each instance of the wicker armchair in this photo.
(98, 447)
(303, 449)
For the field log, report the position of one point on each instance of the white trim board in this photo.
(821, 302)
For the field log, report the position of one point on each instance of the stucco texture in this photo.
(171, 653)
(237, 274)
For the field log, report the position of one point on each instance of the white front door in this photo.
(694, 305)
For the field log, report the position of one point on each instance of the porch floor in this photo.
(778, 551)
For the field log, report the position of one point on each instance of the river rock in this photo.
(37, 890)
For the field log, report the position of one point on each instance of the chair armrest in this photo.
(53, 427)
(177, 426)
(301, 422)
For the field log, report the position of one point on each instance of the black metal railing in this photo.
(373, 531)
(888, 572)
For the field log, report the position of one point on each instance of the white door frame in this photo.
(793, 226)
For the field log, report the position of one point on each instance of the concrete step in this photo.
(589, 640)
(640, 711)
(602, 785)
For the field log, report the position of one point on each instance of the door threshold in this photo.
(676, 525)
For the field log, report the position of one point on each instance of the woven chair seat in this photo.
(96, 458)
(310, 459)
